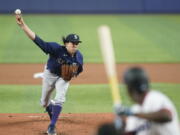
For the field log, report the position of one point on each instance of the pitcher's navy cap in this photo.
(74, 38)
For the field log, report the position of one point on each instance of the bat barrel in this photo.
(109, 61)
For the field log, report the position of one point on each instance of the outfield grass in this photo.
(80, 98)
(137, 38)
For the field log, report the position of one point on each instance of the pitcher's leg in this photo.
(48, 85)
(46, 92)
(61, 90)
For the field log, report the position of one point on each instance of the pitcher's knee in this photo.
(44, 103)
(57, 102)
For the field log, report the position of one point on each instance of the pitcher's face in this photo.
(72, 47)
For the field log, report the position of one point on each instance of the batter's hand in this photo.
(123, 111)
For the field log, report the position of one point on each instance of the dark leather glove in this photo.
(68, 71)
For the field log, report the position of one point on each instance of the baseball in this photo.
(17, 12)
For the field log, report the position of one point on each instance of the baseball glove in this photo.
(68, 71)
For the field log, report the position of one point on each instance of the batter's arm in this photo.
(24, 27)
(161, 116)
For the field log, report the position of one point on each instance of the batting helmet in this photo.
(136, 79)
(109, 129)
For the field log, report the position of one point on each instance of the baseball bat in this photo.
(109, 62)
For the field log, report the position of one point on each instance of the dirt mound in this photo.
(68, 124)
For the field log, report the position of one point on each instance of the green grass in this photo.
(137, 38)
(80, 98)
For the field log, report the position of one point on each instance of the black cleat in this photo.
(51, 130)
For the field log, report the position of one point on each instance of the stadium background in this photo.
(91, 6)
(143, 31)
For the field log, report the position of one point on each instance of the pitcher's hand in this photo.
(19, 20)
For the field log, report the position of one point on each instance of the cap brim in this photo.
(76, 41)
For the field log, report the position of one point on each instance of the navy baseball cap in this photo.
(74, 38)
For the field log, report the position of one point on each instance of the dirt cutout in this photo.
(93, 73)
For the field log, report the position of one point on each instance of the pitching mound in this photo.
(36, 124)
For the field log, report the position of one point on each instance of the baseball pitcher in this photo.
(64, 63)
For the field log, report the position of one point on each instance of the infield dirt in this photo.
(93, 73)
(36, 124)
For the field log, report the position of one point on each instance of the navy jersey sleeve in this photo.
(47, 47)
(79, 57)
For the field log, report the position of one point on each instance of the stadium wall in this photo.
(91, 6)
